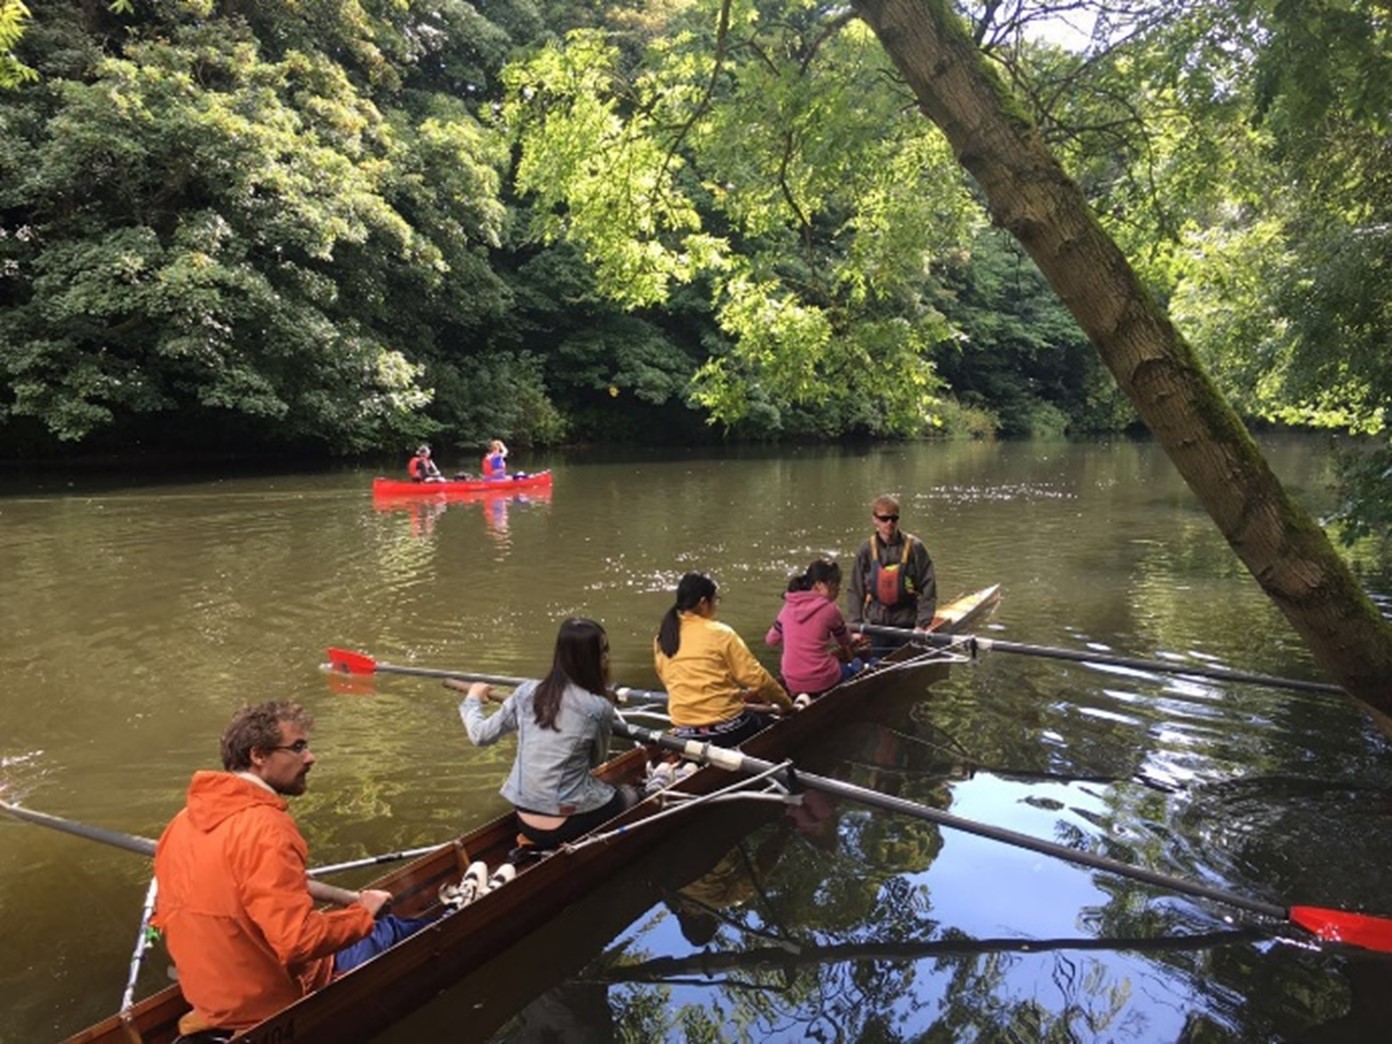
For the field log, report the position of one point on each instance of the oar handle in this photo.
(978, 644)
(622, 693)
(368, 666)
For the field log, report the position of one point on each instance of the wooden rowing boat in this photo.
(377, 993)
(385, 487)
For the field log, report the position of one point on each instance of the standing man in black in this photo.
(892, 582)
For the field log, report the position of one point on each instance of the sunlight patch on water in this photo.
(1106, 715)
(1021, 491)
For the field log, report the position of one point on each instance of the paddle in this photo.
(146, 846)
(346, 661)
(1373, 933)
(977, 644)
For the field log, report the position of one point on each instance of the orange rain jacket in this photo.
(235, 908)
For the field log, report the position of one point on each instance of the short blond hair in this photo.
(885, 505)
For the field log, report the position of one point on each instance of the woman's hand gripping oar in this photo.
(484, 691)
(1371, 933)
(346, 661)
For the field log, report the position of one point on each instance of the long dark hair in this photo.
(693, 587)
(580, 648)
(822, 571)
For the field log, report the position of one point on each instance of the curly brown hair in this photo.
(257, 727)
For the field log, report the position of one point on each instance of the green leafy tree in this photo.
(13, 72)
(1236, 150)
(251, 245)
(1019, 353)
(1031, 195)
(612, 374)
(759, 157)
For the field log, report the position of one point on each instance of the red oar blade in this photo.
(345, 661)
(1371, 933)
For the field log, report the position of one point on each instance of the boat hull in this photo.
(385, 487)
(378, 993)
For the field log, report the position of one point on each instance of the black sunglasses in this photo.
(888, 518)
(298, 747)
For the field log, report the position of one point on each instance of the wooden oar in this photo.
(975, 644)
(1373, 933)
(146, 846)
(346, 661)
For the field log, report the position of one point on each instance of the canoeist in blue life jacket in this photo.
(892, 582)
(422, 468)
(495, 460)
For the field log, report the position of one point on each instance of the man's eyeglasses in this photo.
(887, 518)
(298, 747)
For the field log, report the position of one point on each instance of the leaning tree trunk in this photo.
(1030, 195)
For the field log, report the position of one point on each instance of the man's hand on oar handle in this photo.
(327, 893)
(481, 691)
(378, 902)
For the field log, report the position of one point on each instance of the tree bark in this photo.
(1031, 197)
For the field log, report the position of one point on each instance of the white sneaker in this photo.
(501, 876)
(660, 778)
(472, 885)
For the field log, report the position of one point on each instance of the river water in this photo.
(135, 616)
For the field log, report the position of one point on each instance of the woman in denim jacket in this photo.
(563, 724)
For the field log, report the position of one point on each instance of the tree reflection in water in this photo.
(835, 923)
(852, 931)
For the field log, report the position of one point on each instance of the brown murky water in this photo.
(135, 618)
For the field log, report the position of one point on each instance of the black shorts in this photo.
(729, 733)
(580, 823)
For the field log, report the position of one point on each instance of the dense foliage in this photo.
(347, 225)
(1237, 149)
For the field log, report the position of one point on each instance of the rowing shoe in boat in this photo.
(375, 994)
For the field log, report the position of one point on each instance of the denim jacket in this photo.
(551, 772)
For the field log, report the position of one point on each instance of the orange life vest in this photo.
(890, 585)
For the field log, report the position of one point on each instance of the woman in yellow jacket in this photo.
(709, 673)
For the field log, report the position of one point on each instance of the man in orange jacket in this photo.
(233, 899)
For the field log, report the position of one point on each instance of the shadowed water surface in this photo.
(135, 617)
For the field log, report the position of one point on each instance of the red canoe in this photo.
(385, 487)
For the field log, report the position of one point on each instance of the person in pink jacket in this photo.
(818, 651)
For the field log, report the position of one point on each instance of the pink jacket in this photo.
(808, 627)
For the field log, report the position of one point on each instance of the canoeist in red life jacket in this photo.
(422, 468)
(892, 582)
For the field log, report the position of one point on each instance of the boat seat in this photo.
(193, 1029)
